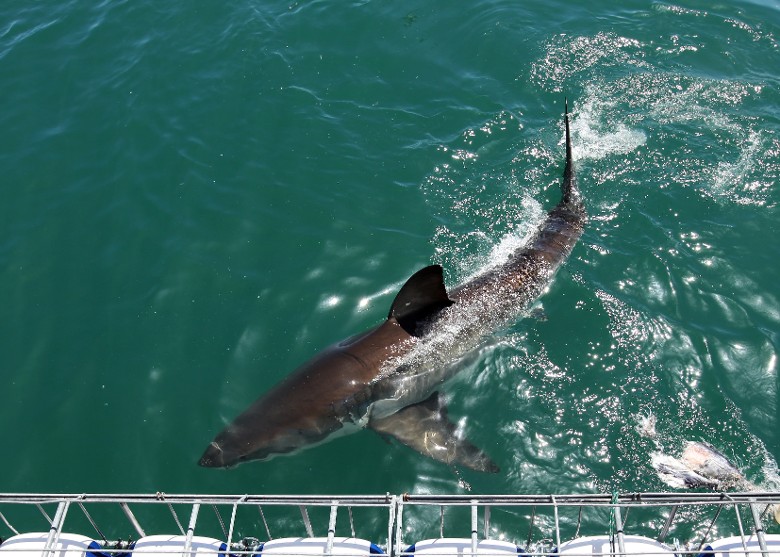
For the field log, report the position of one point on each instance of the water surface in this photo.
(200, 197)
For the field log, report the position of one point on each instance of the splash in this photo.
(599, 133)
(484, 208)
(646, 425)
(631, 99)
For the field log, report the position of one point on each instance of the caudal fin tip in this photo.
(566, 126)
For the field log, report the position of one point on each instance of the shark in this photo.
(389, 378)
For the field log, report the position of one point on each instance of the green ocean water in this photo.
(199, 196)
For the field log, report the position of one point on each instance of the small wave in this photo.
(15, 40)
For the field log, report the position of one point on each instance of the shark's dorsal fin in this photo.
(423, 296)
(425, 428)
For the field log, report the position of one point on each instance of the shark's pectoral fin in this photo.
(420, 298)
(425, 428)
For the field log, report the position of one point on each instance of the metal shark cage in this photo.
(595, 525)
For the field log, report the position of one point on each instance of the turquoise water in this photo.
(199, 196)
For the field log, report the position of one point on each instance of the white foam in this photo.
(739, 180)
(596, 134)
(645, 425)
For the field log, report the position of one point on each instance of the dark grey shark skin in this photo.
(388, 377)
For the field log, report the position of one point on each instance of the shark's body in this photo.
(388, 377)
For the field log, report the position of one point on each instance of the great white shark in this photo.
(388, 378)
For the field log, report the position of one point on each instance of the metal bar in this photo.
(191, 529)
(83, 508)
(398, 525)
(531, 526)
(334, 509)
(759, 529)
(474, 526)
(306, 521)
(265, 522)
(579, 522)
(487, 523)
(668, 524)
(175, 516)
(627, 499)
(59, 528)
(231, 527)
(56, 529)
(709, 528)
(14, 530)
(351, 522)
(43, 512)
(647, 499)
(619, 527)
(741, 527)
(131, 517)
(557, 525)
(390, 524)
(441, 521)
(221, 522)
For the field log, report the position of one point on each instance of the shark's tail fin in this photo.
(571, 193)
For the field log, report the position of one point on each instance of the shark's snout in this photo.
(213, 457)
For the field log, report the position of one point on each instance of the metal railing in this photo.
(683, 523)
